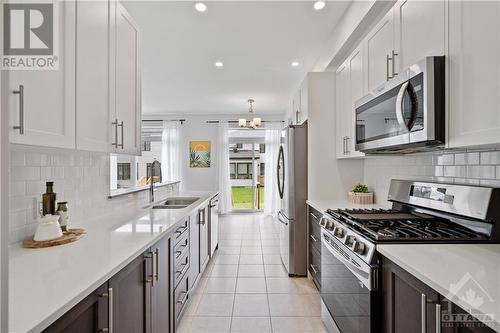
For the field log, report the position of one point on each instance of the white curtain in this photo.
(223, 161)
(170, 151)
(271, 197)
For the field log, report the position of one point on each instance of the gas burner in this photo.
(394, 225)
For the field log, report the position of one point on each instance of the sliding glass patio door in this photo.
(246, 165)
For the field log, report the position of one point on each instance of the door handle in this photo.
(438, 318)
(387, 76)
(122, 135)
(109, 295)
(20, 92)
(347, 151)
(393, 59)
(399, 105)
(115, 123)
(157, 264)
(423, 313)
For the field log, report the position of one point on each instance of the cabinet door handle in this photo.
(183, 300)
(157, 264)
(122, 135)
(393, 59)
(347, 151)
(115, 123)
(423, 312)
(20, 92)
(109, 295)
(313, 238)
(438, 318)
(314, 269)
(387, 74)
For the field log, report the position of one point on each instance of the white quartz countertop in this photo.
(467, 274)
(45, 283)
(323, 205)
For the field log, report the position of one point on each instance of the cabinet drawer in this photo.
(181, 297)
(315, 215)
(314, 235)
(315, 265)
(180, 268)
(181, 230)
(182, 246)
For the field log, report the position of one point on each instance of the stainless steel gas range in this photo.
(422, 212)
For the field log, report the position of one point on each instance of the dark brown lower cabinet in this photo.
(88, 316)
(162, 284)
(411, 306)
(132, 297)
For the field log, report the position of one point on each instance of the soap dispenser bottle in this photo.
(49, 200)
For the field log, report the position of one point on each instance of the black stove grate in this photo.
(393, 225)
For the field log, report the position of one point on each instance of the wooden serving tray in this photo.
(69, 236)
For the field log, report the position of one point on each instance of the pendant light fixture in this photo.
(254, 122)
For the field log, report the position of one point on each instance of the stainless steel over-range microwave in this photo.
(408, 114)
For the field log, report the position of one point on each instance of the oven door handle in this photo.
(361, 275)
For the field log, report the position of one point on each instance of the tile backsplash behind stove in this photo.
(465, 166)
(81, 178)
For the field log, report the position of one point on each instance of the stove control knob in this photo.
(350, 240)
(359, 248)
(329, 225)
(338, 232)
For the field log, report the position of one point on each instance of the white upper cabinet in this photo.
(419, 31)
(350, 86)
(474, 71)
(127, 93)
(379, 49)
(41, 103)
(92, 72)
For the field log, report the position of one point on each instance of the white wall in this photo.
(195, 128)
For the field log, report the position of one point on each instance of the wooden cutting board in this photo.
(69, 236)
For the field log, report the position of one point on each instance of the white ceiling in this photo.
(256, 41)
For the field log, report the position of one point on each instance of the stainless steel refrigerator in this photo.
(292, 189)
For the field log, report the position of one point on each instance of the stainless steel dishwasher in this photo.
(214, 224)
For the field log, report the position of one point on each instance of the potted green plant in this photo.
(361, 194)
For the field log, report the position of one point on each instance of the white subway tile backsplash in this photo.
(466, 167)
(446, 159)
(17, 158)
(37, 159)
(455, 171)
(490, 157)
(25, 173)
(480, 171)
(81, 178)
(467, 158)
(17, 188)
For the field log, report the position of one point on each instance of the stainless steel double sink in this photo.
(176, 203)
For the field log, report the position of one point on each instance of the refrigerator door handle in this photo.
(284, 220)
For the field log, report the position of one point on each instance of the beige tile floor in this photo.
(245, 287)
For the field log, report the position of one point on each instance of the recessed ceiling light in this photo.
(295, 64)
(200, 6)
(319, 5)
(219, 64)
